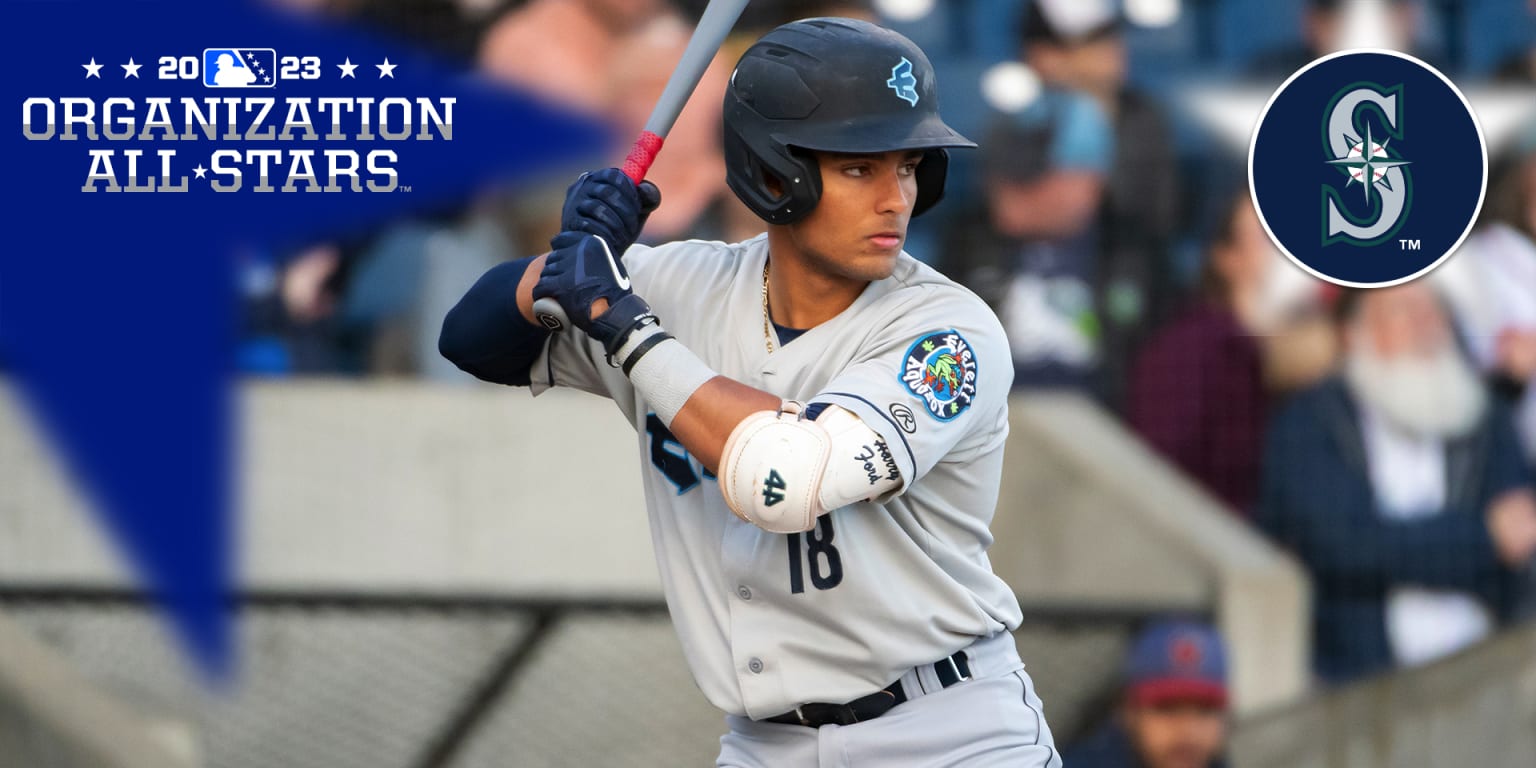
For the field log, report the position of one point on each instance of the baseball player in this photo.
(820, 415)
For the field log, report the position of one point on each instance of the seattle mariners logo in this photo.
(940, 369)
(1365, 160)
(1390, 185)
(903, 82)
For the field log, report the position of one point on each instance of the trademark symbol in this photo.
(407, 188)
(1408, 245)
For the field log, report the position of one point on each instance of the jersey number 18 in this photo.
(826, 563)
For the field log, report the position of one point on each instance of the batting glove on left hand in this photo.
(578, 275)
(607, 204)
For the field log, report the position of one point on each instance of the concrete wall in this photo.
(383, 486)
(400, 486)
(1090, 516)
(1477, 708)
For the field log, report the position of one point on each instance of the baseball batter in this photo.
(821, 417)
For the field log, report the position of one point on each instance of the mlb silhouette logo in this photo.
(239, 67)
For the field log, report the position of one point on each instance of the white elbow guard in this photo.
(781, 470)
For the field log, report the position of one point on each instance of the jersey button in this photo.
(744, 593)
(756, 665)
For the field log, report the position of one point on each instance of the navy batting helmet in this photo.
(833, 85)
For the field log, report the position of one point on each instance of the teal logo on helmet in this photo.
(903, 82)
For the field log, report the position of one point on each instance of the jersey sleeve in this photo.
(573, 359)
(933, 382)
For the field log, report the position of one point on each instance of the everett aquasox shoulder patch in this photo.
(941, 369)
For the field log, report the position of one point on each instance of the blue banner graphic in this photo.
(157, 139)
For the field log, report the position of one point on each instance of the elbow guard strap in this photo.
(781, 471)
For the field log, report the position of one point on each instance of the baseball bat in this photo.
(716, 23)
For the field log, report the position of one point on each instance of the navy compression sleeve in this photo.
(486, 336)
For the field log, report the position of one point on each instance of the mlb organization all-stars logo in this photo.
(309, 139)
(1368, 168)
(940, 369)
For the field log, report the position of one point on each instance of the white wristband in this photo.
(667, 375)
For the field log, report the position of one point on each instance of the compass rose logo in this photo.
(1368, 163)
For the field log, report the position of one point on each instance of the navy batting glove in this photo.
(607, 204)
(580, 274)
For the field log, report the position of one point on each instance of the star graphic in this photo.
(199, 170)
(92, 69)
(1364, 165)
(386, 69)
(130, 69)
(266, 79)
(347, 68)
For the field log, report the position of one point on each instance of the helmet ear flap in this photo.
(930, 180)
(753, 175)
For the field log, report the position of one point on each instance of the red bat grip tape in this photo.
(641, 156)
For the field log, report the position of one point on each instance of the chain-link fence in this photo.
(333, 681)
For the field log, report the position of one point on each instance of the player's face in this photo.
(859, 225)
(1177, 735)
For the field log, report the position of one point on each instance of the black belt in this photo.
(954, 669)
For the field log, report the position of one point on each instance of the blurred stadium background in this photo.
(415, 592)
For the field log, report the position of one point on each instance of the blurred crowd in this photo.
(1386, 437)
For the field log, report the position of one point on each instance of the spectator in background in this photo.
(1173, 709)
(1197, 390)
(1078, 44)
(289, 314)
(762, 15)
(613, 58)
(1401, 490)
(1519, 67)
(564, 50)
(692, 167)
(807, 9)
(1491, 284)
(1325, 29)
(1031, 251)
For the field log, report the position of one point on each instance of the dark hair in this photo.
(1037, 29)
(1224, 233)
(1508, 198)
(1346, 305)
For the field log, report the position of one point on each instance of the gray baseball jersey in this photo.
(771, 621)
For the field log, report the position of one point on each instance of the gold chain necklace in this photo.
(767, 329)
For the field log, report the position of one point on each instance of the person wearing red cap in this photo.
(1173, 708)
